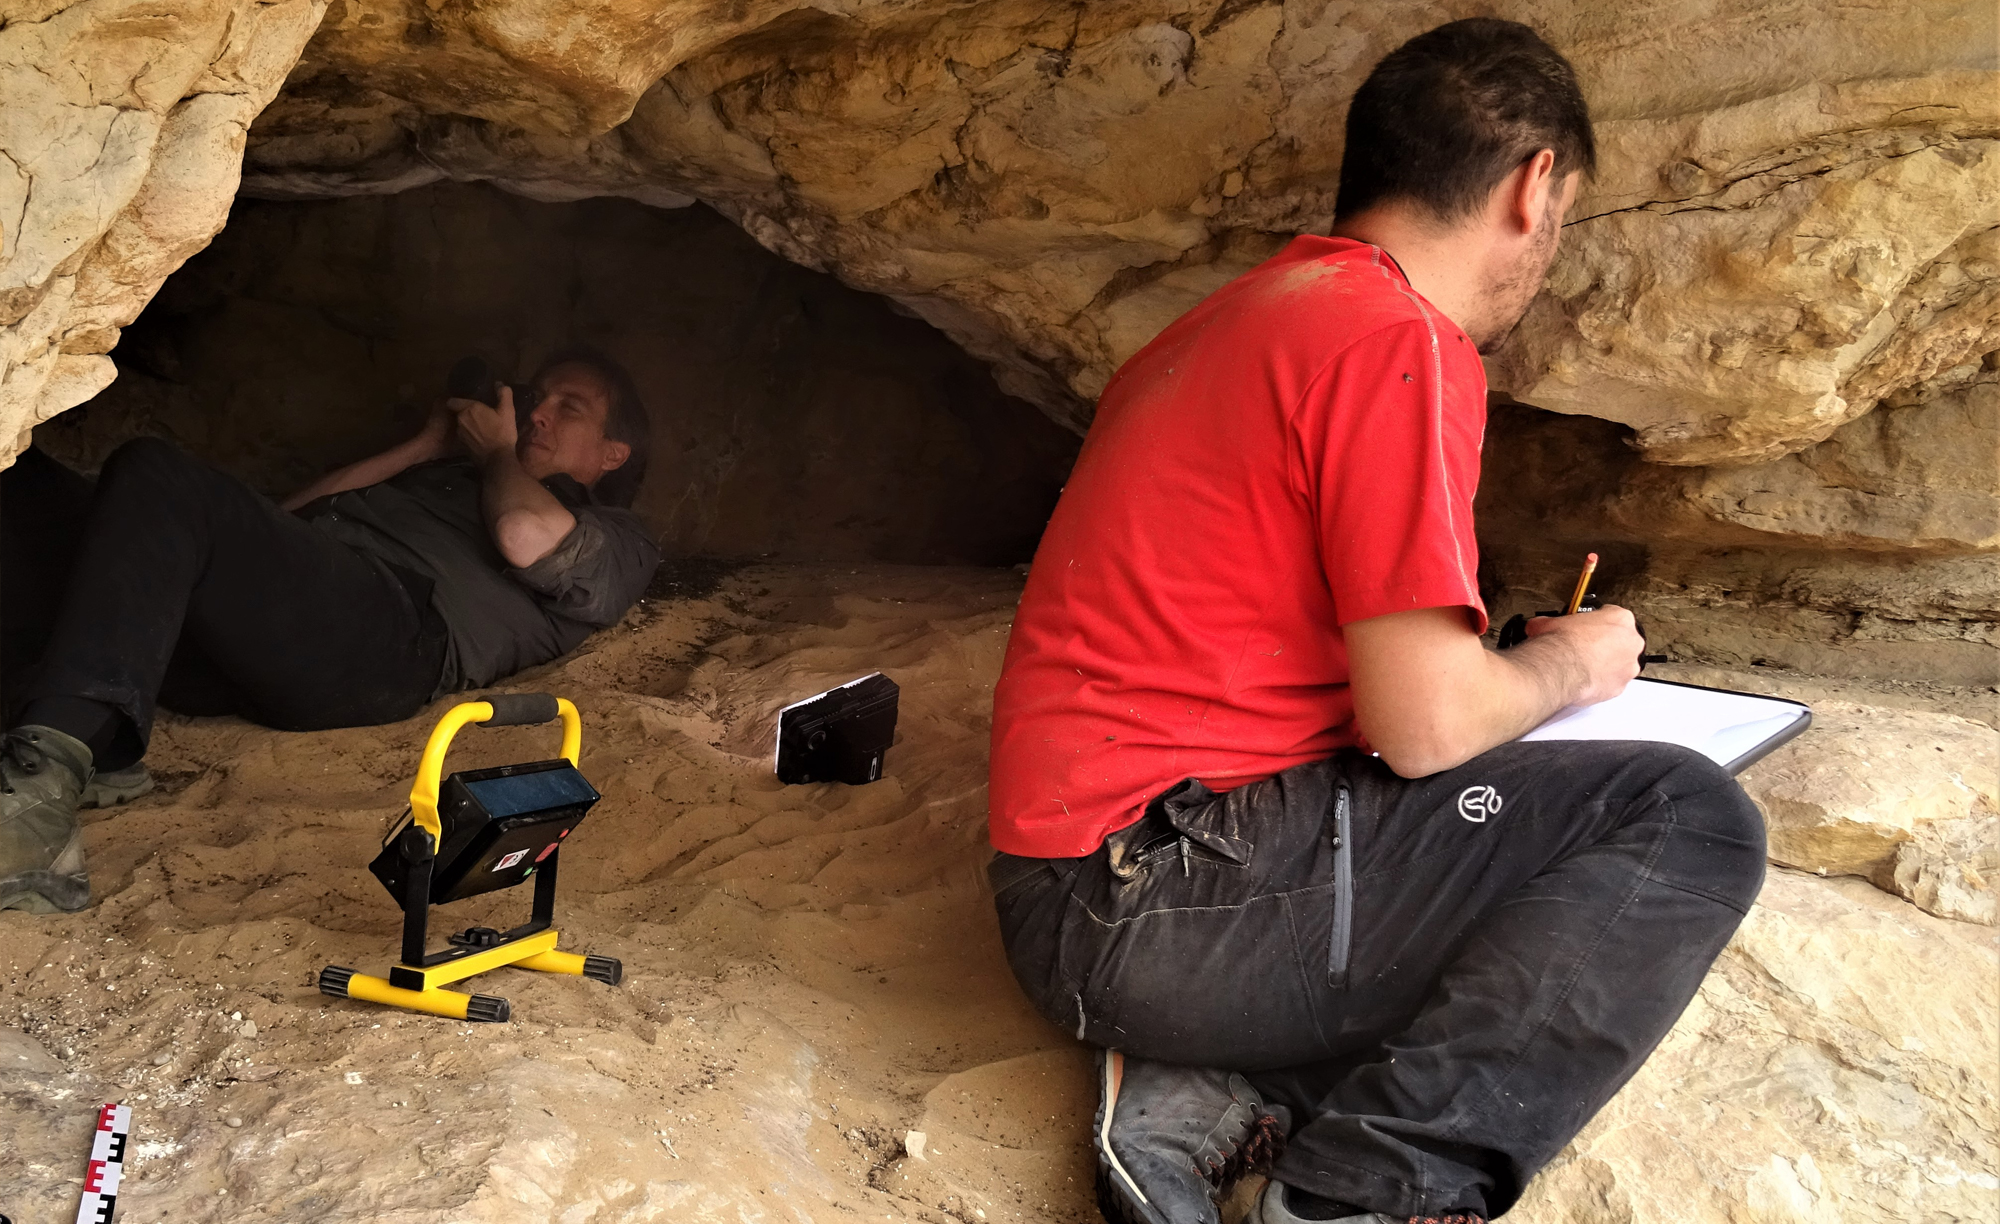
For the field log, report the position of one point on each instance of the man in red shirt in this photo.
(1264, 836)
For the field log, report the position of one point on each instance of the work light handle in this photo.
(500, 710)
(522, 709)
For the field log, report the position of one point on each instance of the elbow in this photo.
(525, 537)
(1412, 765)
(1421, 754)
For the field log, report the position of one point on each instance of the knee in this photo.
(1720, 824)
(152, 474)
(1711, 794)
(145, 460)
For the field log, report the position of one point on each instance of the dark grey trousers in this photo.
(1443, 978)
(173, 582)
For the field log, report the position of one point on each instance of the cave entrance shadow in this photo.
(794, 417)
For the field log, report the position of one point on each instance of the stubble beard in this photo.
(1512, 290)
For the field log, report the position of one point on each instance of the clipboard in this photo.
(1733, 729)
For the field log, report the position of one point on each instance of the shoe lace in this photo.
(21, 751)
(1259, 1149)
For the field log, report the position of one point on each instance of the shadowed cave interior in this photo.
(794, 418)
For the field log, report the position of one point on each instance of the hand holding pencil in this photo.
(1516, 631)
(1607, 642)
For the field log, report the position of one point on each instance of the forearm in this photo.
(1428, 695)
(373, 470)
(526, 520)
(1486, 700)
(1521, 688)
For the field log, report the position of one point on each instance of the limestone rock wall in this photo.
(1796, 214)
(122, 126)
(1741, 282)
(1872, 553)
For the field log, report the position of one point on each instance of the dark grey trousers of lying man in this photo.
(484, 544)
(1266, 837)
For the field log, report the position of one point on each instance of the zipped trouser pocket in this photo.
(1342, 942)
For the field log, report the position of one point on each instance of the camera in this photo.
(471, 378)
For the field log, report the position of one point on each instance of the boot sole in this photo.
(1118, 1196)
(100, 795)
(63, 887)
(45, 892)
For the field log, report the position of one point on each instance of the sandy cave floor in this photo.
(811, 972)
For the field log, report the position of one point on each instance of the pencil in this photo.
(1582, 584)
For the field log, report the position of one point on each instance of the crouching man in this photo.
(1415, 971)
(483, 545)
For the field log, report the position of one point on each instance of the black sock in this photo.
(93, 722)
(1309, 1206)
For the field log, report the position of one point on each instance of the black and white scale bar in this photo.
(107, 1165)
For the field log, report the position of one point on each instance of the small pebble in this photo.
(232, 1121)
(249, 1028)
(162, 1058)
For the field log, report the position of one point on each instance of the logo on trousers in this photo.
(1476, 803)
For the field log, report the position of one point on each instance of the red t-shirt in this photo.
(1296, 453)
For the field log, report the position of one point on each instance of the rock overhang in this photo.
(1793, 229)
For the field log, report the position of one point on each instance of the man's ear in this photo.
(1532, 183)
(615, 455)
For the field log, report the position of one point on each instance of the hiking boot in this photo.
(42, 775)
(1170, 1138)
(119, 786)
(1282, 1204)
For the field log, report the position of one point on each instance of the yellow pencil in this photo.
(1582, 584)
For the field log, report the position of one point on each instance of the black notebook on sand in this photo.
(840, 735)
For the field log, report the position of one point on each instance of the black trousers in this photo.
(174, 583)
(1443, 978)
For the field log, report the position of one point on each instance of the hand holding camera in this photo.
(483, 412)
(486, 430)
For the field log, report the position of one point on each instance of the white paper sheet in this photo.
(1721, 726)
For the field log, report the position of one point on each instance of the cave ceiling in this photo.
(1797, 216)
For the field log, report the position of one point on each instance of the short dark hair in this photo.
(626, 421)
(1450, 113)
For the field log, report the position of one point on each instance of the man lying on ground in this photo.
(477, 548)
(1426, 968)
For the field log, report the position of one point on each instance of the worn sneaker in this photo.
(42, 775)
(1282, 1204)
(119, 786)
(1170, 1138)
